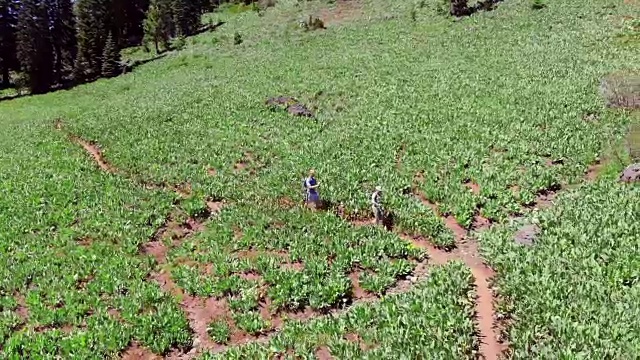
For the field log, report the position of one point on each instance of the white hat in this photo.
(378, 188)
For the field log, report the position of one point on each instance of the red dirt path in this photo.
(96, 154)
(137, 352)
(467, 251)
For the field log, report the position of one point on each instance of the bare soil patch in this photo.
(114, 313)
(480, 223)
(449, 220)
(631, 173)
(250, 275)
(214, 206)
(594, 171)
(201, 312)
(290, 105)
(81, 284)
(84, 241)
(622, 90)
(294, 266)
(239, 166)
(253, 254)
(298, 315)
(545, 198)
(355, 338)
(96, 154)
(22, 310)
(489, 335)
(156, 249)
(323, 353)
(358, 291)
(286, 203)
(468, 253)
(343, 11)
(164, 280)
(527, 234)
(136, 352)
(473, 187)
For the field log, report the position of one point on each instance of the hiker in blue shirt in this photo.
(311, 186)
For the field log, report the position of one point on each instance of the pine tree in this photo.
(158, 24)
(187, 16)
(34, 49)
(80, 67)
(110, 58)
(94, 23)
(128, 18)
(459, 8)
(64, 35)
(8, 23)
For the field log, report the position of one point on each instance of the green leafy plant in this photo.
(237, 38)
(219, 331)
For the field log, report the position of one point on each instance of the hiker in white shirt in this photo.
(376, 205)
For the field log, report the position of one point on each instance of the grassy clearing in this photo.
(497, 100)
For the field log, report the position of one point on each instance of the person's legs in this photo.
(376, 214)
(313, 200)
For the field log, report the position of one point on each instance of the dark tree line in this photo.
(48, 43)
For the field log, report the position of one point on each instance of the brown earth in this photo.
(250, 275)
(527, 234)
(323, 353)
(136, 352)
(594, 171)
(358, 291)
(96, 153)
(473, 187)
(343, 11)
(22, 310)
(294, 266)
(631, 174)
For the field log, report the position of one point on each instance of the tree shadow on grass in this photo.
(126, 67)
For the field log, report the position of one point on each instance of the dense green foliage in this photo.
(8, 24)
(33, 48)
(576, 293)
(433, 318)
(60, 40)
(497, 99)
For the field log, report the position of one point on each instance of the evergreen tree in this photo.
(64, 35)
(8, 23)
(158, 24)
(186, 17)
(459, 8)
(128, 19)
(110, 58)
(80, 66)
(33, 45)
(94, 23)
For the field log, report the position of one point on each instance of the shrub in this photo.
(538, 4)
(219, 331)
(178, 43)
(237, 38)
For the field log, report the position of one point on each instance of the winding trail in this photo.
(467, 251)
(201, 311)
